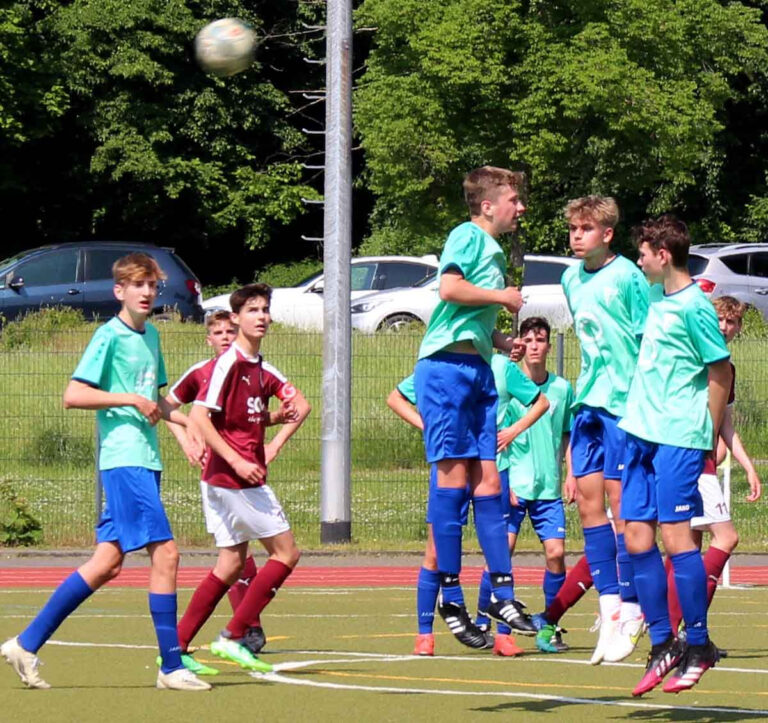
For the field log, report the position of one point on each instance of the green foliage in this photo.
(57, 445)
(754, 325)
(279, 275)
(35, 328)
(18, 526)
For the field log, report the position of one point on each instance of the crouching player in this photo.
(678, 393)
(231, 410)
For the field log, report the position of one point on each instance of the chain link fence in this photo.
(48, 480)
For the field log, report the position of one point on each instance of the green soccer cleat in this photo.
(232, 650)
(545, 639)
(191, 664)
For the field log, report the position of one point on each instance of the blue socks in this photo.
(427, 589)
(445, 508)
(691, 582)
(492, 536)
(162, 607)
(483, 600)
(600, 549)
(651, 585)
(626, 573)
(65, 599)
(551, 586)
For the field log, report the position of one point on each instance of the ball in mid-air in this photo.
(225, 47)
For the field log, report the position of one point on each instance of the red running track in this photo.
(307, 576)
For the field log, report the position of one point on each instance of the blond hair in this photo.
(136, 267)
(485, 183)
(217, 316)
(601, 209)
(729, 306)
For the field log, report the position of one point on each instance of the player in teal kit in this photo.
(674, 409)
(608, 298)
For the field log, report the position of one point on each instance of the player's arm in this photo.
(404, 409)
(732, 440)
(507, 435)
(457, 290)
(302, 408)
(720, 376)
(79, 395)
(188, 438)
(569, 483)
(513, 346)
(251, 472)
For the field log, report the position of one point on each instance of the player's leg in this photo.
(236, 592)
(577, 581)
(427, 591)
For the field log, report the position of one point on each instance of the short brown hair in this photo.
(600, 209)
(484, 184)
(247, 292)
(665, 232)
(216, 316)
(135, 267)
(729, 306)
(534, 323)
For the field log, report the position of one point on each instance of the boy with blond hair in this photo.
(118, 376)
(608, 298)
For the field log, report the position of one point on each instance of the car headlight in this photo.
(364, 306)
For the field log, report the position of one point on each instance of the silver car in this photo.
(739, 270)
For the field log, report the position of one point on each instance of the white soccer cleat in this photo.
(624, 640)
(609, 624)
(181, 679)
(24, 663)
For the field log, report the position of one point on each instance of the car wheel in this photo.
(398, 322)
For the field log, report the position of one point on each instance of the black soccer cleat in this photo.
(488, 633)
(511, 612)
(461, 625)
(254, 639)
(696, 661)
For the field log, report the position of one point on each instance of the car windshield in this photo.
(428, 280)
(697, 264)
(12, 259)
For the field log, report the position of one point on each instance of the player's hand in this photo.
(517, 350)
(151, 410)
(287, 413)
(755, 488)
(513, 498)
(569, 489)
(271, 450)
(511, 299)
(505, 437)
(250, 472)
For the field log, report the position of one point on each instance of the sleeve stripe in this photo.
(218, 377)
(189, 371)
(275, 372)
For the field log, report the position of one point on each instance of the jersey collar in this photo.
(242, 355)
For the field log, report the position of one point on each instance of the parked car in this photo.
(739, 270)
(79, 275)
(302, 305)
(543, 295)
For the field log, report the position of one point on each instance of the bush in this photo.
(36, 326)
(279, 275)
(55, 446)
(754, 325)
(18, 527)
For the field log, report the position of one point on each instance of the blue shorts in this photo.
(661, 482)
(433, 486)
(547, 518)
(597, 443)
(133, 515)
(457, 398)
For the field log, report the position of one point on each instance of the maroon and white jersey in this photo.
(237, 394)
(710, 466)
(191, 382)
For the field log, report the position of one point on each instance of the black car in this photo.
(79, 275)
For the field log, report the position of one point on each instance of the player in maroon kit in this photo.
(231, 413)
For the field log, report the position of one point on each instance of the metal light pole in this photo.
(335, 498)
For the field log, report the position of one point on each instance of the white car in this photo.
(394, 309)
(302, 305)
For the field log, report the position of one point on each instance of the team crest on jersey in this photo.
(588, 327)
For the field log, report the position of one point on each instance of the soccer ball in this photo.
(225, 47)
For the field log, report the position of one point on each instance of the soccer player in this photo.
(716, 518)
(231, 411)
(118, 376)
(678, 394)
(456, 394)
(220, 334)
(608, 299)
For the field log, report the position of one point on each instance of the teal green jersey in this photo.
(668, 401)
(480, 260)
(407, 388)
(512, 386)
(609, 307)
(121, 360)
(534, 456)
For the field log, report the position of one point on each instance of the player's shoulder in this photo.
(200, 368)
(273, 370)
(571, 271)
(499, 364)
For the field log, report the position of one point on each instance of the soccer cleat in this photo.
(235, 651)
(539, 620)
(662, 658)
(461, 625)
(425, 644)
(505, 646)
(181, 679)
(191, 664)
(24, 663)
(696, 661)
(511, 612)
(255, 639)
(488, 633)
(624, 640)
(549, 640)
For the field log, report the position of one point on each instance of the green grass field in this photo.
(343, 654)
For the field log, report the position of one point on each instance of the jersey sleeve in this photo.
(275, 384)
(162, 375)
(732, 393)
(96, 359)
(568, 412)
(635, 290)
(212, 392)
(461, 251)
(185, 390)
(704, 330)
(520, 386)
(407, 388)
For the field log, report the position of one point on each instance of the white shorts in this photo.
(714, 504)
(233, 516)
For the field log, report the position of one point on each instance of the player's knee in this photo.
(167, 558)
(726, 540)
(554, 552)
(113, 570)
(290, 558)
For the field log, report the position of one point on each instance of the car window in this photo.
(536, 273)
(362, 277)
(697, 264)
(56, 267)
(759, 265)
(98, 265)
(393, 274)
(736, 262)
